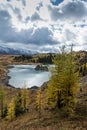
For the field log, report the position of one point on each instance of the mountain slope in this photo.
(7, 50)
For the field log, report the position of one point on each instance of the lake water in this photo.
(26, 74)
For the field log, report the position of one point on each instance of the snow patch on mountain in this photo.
(7, 50)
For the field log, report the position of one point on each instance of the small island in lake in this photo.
(41, 67)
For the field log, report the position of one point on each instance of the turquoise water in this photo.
(26, 74)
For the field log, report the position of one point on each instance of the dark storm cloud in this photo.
(84, 0)
(16, 11)
(71, 11)
(8, 0)
(39, 6)
(8, 34)
(35, 17)
(18, 14)
(40, 36)
(27, 19)
(6, 31)
(23, 2)
(43, 36)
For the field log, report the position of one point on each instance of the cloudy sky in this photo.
(43, 25)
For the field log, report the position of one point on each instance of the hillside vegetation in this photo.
(37, 58)
(60, 104)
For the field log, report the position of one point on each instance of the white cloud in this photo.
(71, 11)
(39, 23)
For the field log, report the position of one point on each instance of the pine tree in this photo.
(25, 98)
(39, 100)
(64, 82)
(21, 101)
(2, 101)
(11, 110)
(18, 104)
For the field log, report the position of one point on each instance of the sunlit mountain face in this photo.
(43, 25)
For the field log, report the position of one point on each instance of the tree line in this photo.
(47, 59)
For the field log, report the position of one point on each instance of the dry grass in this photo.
(48, 119)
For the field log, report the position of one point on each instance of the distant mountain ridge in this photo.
(8, 50)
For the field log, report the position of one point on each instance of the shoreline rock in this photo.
(41, 67)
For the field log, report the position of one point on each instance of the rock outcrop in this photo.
(41, 67)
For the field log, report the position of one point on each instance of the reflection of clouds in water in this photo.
(39, 79)
(26, 73)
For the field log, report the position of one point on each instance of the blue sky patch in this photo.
(56, 2)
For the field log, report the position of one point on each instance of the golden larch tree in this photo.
(11, 110)
(64, 82)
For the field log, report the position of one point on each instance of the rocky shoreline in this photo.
(5, 80)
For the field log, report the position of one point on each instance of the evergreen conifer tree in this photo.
(64, 82)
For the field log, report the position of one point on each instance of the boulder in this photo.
(41, 67)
